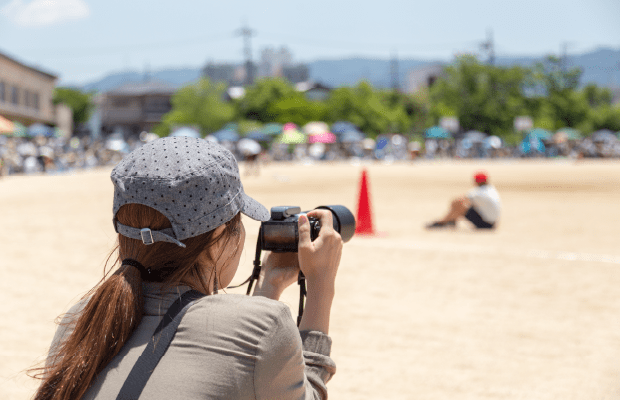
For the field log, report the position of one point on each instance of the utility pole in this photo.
(489, 47)
(394, 72)
(247, 34)
(564, 57)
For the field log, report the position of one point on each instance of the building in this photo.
(423, 77)
(134, 107)
(313, 90)
(272, 61)
(227, 73)
(26, 95)
(296, 73)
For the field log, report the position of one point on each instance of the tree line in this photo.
(483, 97)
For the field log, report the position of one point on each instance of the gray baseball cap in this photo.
(192, 182)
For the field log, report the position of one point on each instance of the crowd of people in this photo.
(23, 155)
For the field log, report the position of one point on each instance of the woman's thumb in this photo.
(304, 231)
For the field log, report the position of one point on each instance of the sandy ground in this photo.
(529, 311)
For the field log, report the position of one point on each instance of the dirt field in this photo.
(529, 311)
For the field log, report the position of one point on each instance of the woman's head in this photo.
(209, 256)
(194, 183)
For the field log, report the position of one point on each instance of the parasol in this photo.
(325, 137)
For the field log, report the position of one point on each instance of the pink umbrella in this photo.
(289, 126)
(326, 137)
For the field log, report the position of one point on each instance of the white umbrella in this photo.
(248, 146)
(315, 128)
(494, 142)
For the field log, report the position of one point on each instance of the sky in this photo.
(83, 40)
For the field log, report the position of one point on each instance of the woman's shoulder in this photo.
(237, 305)
(240, 312)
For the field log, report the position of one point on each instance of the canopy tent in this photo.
(6, 126)
(186, 132)
(437, 132)
(226, 135)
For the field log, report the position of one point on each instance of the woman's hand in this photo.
(279, 271)
(319, 262)
(319, 259)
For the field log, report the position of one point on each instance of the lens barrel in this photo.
(344, 221)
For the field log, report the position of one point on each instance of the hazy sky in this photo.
(82, 40)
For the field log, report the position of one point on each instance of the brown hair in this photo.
(114, 306)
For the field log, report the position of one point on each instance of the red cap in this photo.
(480, 177)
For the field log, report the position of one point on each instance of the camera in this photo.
(280, 233)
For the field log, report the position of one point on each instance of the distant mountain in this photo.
(601, 66)
(176, 77)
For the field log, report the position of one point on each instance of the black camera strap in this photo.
(301, 279)
(157, 346)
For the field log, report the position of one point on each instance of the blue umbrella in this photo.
(186, 132)
(226, 135)
(40, 130)
(341, 127)
(272, 129)
(532, 143)
(381, 143)
(437, 132)
(603, 135)
(541, 134)
(258, 136)
(351, 137)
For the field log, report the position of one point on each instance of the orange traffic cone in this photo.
(364, 214)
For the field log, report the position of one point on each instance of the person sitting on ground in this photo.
(481, 206)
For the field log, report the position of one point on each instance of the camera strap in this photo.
(157, 346)
(301, 279)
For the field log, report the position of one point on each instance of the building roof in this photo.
(21, 64)
(143, 88)
(309, 85)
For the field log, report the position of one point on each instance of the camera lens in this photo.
(344, 221)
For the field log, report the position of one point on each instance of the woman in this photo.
(177, 205)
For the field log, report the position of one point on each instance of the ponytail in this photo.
(114, 308)
(98, 335)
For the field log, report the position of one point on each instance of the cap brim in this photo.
(254, 209)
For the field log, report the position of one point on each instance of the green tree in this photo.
(257, 104)
(297, 109)
(483, 97)
(199, 104)
(555, 101)
(79, 102)
(372, 110)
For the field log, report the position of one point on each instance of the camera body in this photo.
(281, 232)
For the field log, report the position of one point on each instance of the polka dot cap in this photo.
(193, 182)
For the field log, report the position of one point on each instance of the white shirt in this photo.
(485, 200)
